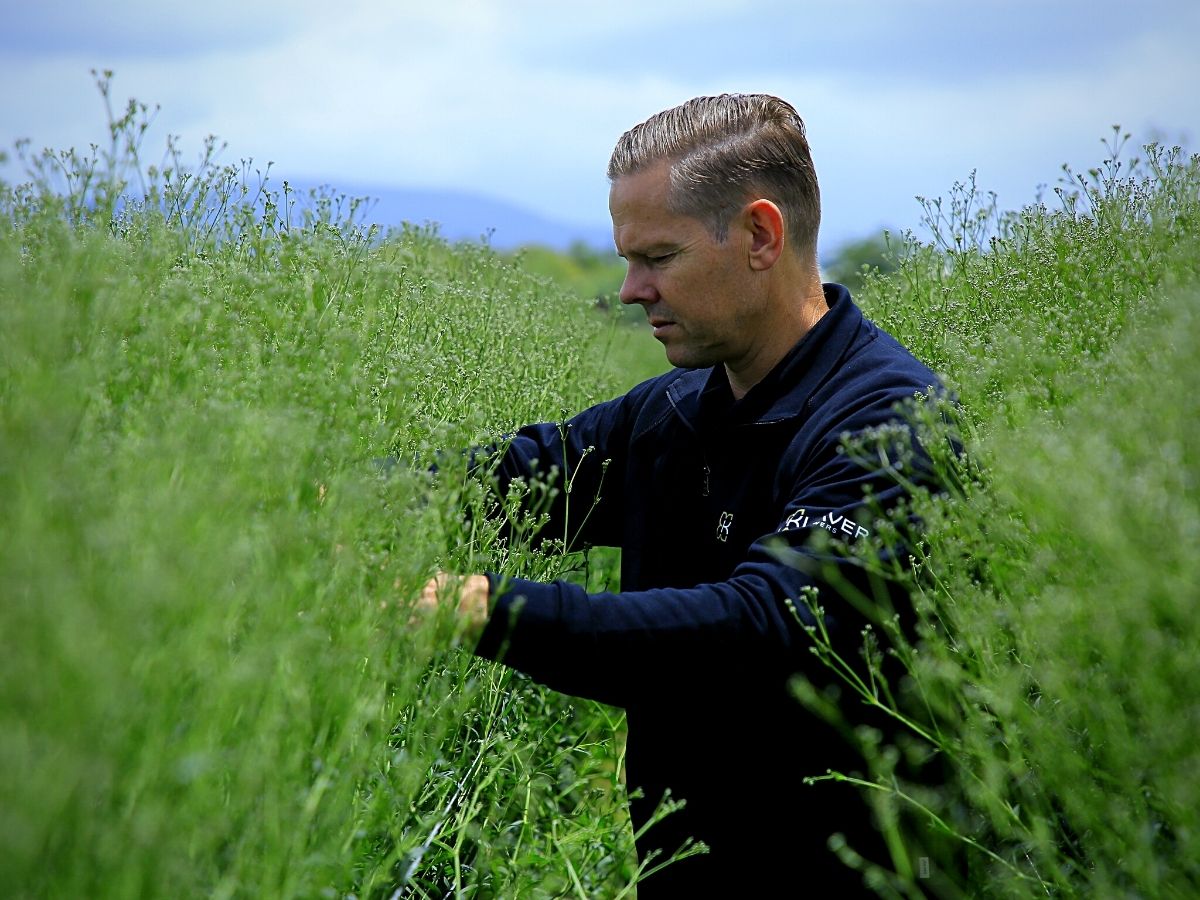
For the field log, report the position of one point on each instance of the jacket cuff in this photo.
(520, 612)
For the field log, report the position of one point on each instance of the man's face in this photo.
(701, 296)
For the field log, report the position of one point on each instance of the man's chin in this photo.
(684, 358)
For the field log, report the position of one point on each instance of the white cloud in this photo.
(483, 96)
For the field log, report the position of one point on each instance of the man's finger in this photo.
(426, 603)
(467, 595)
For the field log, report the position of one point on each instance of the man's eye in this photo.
(658, 260)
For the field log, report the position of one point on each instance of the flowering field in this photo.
(211, 684)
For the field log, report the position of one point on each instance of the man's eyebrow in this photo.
(657, 249)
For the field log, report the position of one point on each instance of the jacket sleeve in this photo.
(568, 468)
(612, 647)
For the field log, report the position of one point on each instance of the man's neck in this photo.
(797, 315)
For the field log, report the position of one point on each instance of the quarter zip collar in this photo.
(702, 396)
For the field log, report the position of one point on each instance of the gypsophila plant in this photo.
(233, 424)
(1035, 681)
(219, 403)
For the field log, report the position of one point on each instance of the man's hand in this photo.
(468, 594)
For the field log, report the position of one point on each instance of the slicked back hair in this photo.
(725, 151)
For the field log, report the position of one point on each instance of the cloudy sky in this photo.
(522, 100)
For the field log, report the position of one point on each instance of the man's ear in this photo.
(768, 233)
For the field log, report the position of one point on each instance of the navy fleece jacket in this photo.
(713, 503)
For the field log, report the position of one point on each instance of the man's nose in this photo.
(637, 288)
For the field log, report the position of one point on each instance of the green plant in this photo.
(1044, 683)
(210, 683)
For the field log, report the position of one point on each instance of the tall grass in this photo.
(211, 683)
(1051, 686)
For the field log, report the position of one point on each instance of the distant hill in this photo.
(461, 215)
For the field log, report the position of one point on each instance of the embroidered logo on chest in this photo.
(723, 526)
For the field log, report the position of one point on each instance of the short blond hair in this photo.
(725, 151)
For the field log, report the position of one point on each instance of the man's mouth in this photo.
(661, 327)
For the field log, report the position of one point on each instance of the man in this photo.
(713, 479)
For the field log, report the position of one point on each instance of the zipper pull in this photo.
(707, 473)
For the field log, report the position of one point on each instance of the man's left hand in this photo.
(468, 594)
